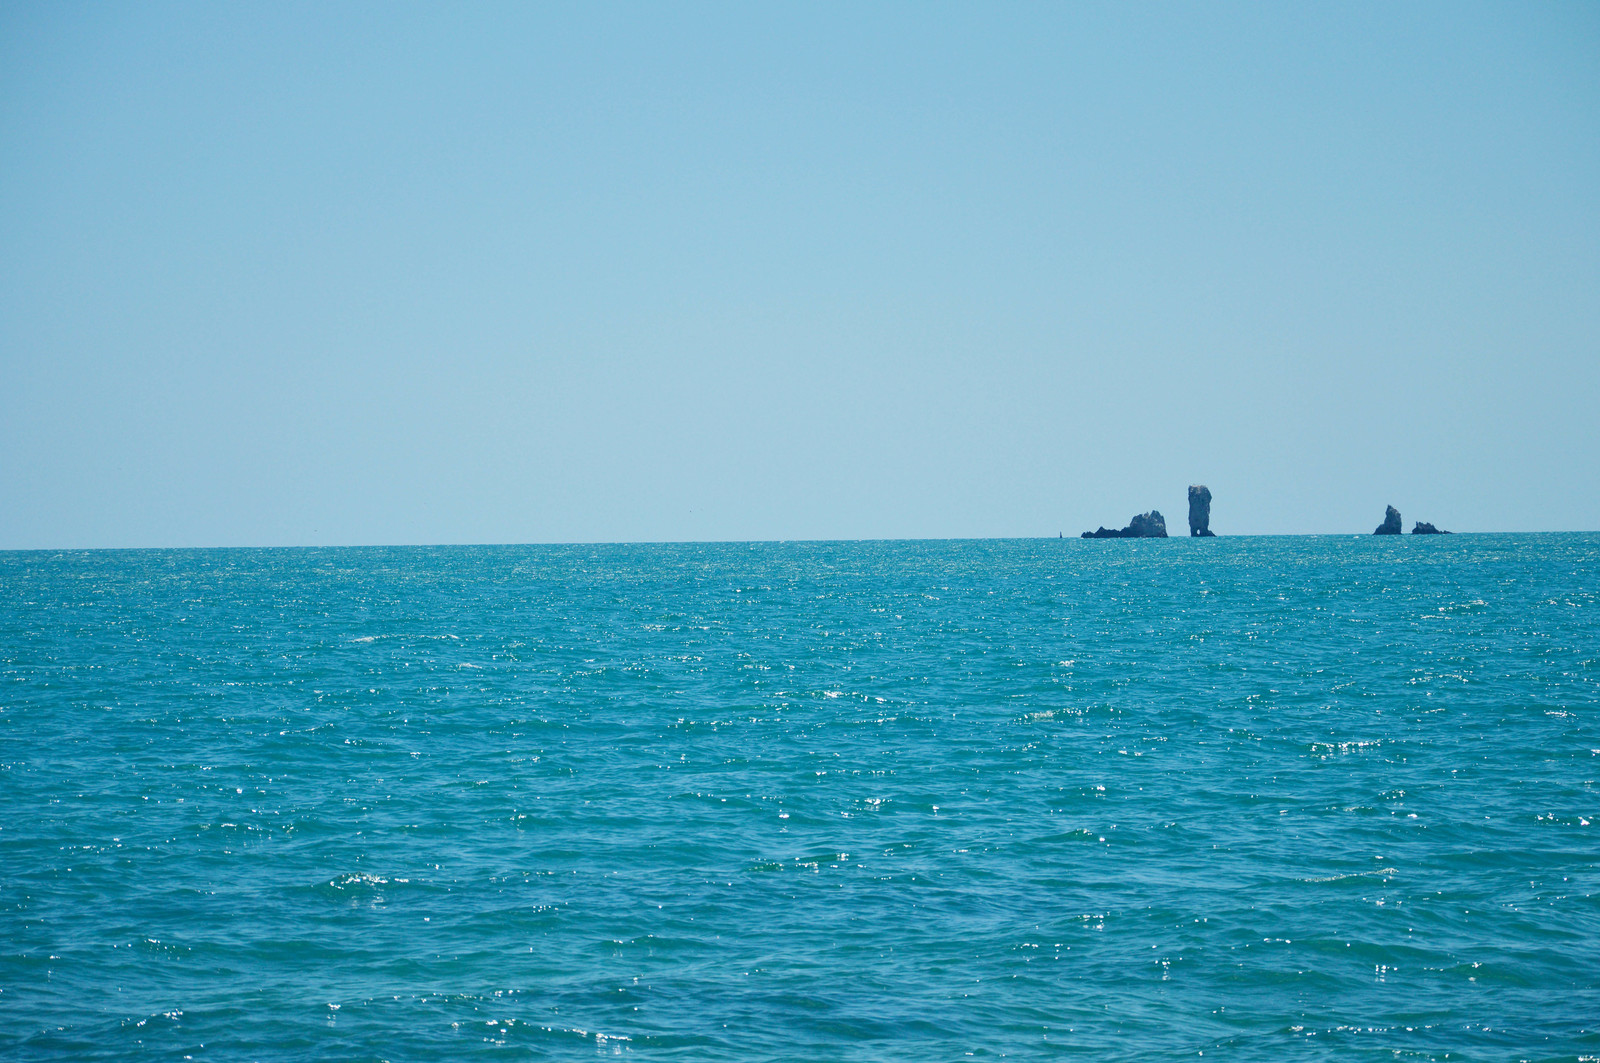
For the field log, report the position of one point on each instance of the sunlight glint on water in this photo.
(1261, 798)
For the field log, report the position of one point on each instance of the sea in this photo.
(1243, 798)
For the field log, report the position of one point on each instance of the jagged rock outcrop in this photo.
(1151, 525)
(1200, 510)
(1422, 527)
(1391, 522)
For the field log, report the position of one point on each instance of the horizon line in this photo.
(744, 542)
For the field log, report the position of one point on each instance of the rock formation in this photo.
(1151, 525)
(1422, 527)
(1391, 522)
(1200, 510)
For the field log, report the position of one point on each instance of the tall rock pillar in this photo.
(1200, 510)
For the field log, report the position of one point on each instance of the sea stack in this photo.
(1422, 527)
(1200, 510)
(1391, 522)
(1151, 525)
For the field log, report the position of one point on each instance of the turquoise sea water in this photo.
(1256, 798)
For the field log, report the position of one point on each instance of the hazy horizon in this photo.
(729, 542)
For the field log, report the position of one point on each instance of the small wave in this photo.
(356, 880)
(1353, 746)
(376, 638)
(1382, 871)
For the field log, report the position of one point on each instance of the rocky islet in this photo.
(1391, 525)
(1151, 525)
(1200, 511)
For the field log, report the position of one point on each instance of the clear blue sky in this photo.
(309, 273)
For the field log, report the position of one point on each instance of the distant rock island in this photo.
(1391, 524)
(1151, 525)
(1199, 511)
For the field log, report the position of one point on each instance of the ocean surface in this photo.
(1270, 798)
